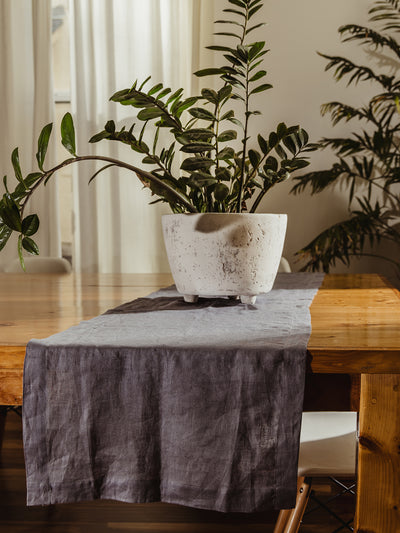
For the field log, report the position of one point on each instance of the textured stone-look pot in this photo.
(224, 254)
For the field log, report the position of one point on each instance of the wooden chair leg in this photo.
(281, 522)
(289, 520)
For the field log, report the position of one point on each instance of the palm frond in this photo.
(387, 11)
(345, 67)
(341, 241)
(370, 37)
(340, 111)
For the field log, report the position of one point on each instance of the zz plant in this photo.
(368, 161)
(223, 169)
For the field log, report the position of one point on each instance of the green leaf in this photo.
(255, 49)
(30, 246)
(239, 3)
(281, 130)
(185, 105)
(150, 113)
(226, 153)
(221, 191)
(110, 126)
(263, 144)
(196, 163)
(43, 143)
(99, 137)
(222, 173)
(261, 88)
(258, 75)
(290, 144)
(197, 147)
(227, 135)
(30, 225)
(204, 114)
(155, 89)
(9, 213)
(5, 233)
(254, 157)
(68, 133)
(209, 72)
(271, 163)
(210, 95)
(16, 165)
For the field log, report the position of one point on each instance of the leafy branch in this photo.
(368, 161)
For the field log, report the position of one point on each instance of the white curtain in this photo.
(115, 43)
(26, 105)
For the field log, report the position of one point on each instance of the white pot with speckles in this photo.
(224, 254)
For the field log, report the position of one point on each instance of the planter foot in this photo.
(190, 298)
(248, 299)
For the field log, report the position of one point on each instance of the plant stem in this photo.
(246, 124)
(146, 176)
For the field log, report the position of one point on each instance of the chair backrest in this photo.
(284, 265)
(38, 265)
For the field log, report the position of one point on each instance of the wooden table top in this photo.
(355, 318)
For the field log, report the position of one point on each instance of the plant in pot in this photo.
(368, 160)
(216, 243)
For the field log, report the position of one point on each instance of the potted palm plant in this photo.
(215, 242)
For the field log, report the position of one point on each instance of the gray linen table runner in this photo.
(161, 400)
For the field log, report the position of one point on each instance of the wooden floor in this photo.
(106, 516)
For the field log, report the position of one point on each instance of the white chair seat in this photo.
(328, 444)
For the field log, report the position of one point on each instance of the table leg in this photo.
(378, 493)
(3, 414)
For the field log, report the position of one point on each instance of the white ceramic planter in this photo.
(224, 254)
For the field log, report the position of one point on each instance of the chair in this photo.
(40, 265)
(284, 265)
(328, 446)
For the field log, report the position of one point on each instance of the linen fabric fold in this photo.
(160, 400)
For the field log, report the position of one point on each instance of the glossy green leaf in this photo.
(209, 72)
(221, 191)
(197, 147)
(196, 163)
(227, 135)
(5, 233)
(226, 153)
(150, 113)
(204, 114)
(30, 225)
(16, 165)
(261, 88)
(68, 133)
(258, 75)
(30, 246)
(43, 143)
(9, 213)
(263, 144)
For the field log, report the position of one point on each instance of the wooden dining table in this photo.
(355, 330)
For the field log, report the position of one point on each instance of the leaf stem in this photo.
(142, 175)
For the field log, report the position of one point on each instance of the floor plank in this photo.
(117, 517)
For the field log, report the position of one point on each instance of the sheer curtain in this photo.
(26, 105)
(115, 43)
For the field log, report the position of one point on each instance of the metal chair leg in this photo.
(289, 520)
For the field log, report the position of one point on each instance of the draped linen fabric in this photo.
(26, 105)
(115, 43)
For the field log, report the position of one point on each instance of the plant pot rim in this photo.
(227, 214)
